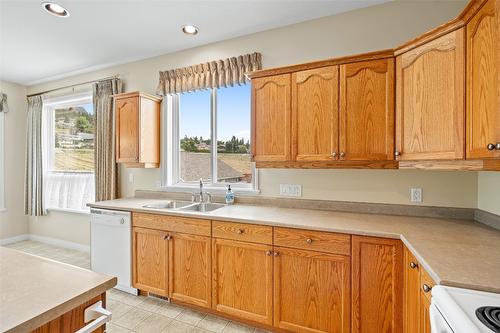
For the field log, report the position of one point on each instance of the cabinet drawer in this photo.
(313, 240)
(243, 232)
(186, 225)
(426, 280)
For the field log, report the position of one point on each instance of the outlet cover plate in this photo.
(291, 190)
(415, 194)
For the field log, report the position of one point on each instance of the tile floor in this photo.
(138, 313)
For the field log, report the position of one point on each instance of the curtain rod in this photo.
(74, 85)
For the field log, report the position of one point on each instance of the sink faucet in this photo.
(201, 195)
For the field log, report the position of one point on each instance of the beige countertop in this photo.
(35, 290)
(456, 253)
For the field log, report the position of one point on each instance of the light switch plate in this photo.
(415, 194)
(291, 190)
(131, 177)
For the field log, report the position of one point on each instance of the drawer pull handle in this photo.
(426, 288)
(413, 265)
(240, 231)
(98, 315)
(309, 241)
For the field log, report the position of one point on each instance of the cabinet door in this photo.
(315, 114)
(367, 110)
(243, 280)
(483, 82)
(411, 289)
(425, 322)
(127, 129)
(377, 285)
(189, 269)
(311, 291)
(271, 118)
(430, 100)
(150, 260)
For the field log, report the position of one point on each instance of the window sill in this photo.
(215, 190)
(70, 211)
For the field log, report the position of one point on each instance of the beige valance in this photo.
(214, 74)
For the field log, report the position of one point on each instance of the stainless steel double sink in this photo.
(186, 206)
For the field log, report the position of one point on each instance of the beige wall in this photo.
(489, 192)
(69, 227)
(13, 222)
(368, 29)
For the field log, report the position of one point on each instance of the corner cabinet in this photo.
(377, 285)
(137, 129)
(483, 83)
(271, 118)
(430, 98)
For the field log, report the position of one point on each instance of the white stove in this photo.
(455, 310)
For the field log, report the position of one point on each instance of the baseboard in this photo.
(61, 243)
(15, 239)
(487, 218)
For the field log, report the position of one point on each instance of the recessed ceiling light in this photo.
(55, 9)
(190, 30)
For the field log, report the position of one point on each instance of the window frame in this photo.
(48, 141)
(171, 152)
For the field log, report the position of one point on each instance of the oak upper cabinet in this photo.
(367, 110)
(315, 114)
(483, 83)
(377, 285)
(271, 118)
(150, 260)
(430, 100)
(189, 269)
(311, 291)
(243, 279)
(137, 129)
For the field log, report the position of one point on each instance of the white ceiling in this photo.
(36, 46)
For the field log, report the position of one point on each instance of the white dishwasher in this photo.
(111, 246)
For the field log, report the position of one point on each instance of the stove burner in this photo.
(490, 316)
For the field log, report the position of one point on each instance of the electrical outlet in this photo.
(415, 194)
(291, 190)
(131, 177)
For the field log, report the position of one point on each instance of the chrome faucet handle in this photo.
(209, 197)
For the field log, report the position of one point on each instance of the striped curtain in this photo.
(215, 74)
(33, 198)
(3, 103)
(105, 166)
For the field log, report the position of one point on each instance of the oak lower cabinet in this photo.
(430, 98)
(311, 291)
(483, 83)
(243, 280)
(417, 296)
(190, 269)
(315, 114)
(377, 285)
(150, 260)
(366, 124)
(271, 118)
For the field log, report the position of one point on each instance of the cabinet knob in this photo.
(497, 146)
(426, 288)
(490, 146)
(167, 237)
(342, 154)
(276, 254)
(397, 153)
(334, 154)
(413, 265)
(269, 252)
(240, 231)
(309, 241)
